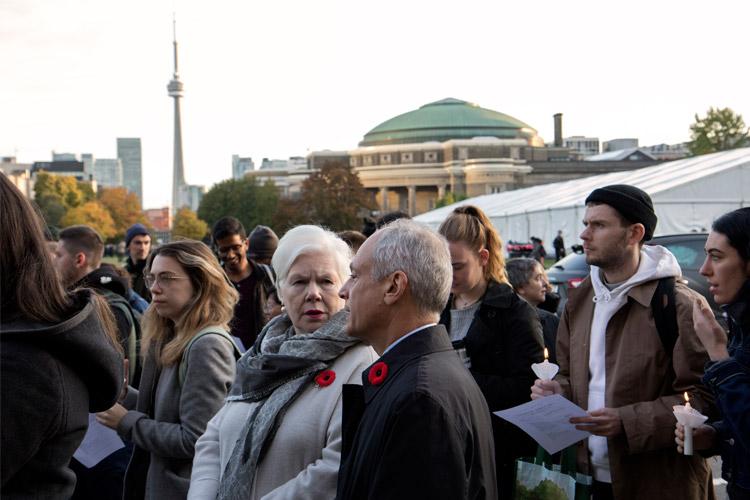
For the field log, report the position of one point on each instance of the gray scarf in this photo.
(273, 373)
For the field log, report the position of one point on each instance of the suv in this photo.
(688, 248)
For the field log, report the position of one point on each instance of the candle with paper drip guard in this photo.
(690, 418)
(545, 370)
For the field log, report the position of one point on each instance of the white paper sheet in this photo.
(546, 420)
(98, 443)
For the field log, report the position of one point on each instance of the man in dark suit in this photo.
(419, 426)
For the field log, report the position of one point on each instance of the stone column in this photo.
(441, 191)
(384, 199)
(412, 201)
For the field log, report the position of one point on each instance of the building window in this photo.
(463, 153)
(430, 156)
(367, 160)
(407, 157)
(385, 159)
(353, 161)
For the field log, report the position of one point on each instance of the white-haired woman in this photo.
(188, 368)
(279, 434)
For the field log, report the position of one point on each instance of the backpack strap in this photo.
(209, 330)
(664, 310)
(120, 303)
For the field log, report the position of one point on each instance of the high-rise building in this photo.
(88, 163)
(108, 172)
(64, 156)
(191, 196)
(129, 153)
(175, 90)
(240, 166)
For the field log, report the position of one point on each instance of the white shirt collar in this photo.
(416, 330)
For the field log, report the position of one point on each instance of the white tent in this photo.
(687, 194)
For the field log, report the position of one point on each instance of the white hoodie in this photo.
(656, 262)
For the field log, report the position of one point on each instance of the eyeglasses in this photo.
(163, 280)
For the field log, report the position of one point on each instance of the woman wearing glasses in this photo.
(188, 368)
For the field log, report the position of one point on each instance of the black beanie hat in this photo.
(263, 242)
(633, 204)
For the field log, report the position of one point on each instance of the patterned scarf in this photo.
(273, 373)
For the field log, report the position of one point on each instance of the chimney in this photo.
(558, 130)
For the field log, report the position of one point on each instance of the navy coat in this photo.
(423, 432)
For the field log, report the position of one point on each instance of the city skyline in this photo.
(285, 79)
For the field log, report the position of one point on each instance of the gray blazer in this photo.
(169, 419)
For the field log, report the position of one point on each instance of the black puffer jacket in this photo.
(503, 341)
(52, 376)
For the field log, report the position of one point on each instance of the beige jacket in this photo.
(643, 383)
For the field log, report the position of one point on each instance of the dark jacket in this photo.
(549, 322)
(138, 282)
(52, 376)
(424, 432)
(249, 317)
(729, 380)
(503, 341)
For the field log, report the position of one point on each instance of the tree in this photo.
(91, 214)
(449, 198)
(719, 130)
(244, 198)
(335, 198)
(124, 207)
(188, 225)
(56, 194)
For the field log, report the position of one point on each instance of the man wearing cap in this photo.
(138, 245)
(615, 364)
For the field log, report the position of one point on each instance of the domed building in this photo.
(414, 159)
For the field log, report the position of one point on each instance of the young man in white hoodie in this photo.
(614, 364)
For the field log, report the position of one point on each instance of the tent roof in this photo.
(653, 180)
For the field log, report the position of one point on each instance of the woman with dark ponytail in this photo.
(497, 333)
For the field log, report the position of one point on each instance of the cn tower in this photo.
(175, 91)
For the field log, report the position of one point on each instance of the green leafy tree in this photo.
(245, 199)
(188, 225)
(335, 198)
(91, 214)
(449, 198)
(719, 130)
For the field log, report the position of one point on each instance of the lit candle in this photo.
(546, 356)
(545, 370)
(687, 447)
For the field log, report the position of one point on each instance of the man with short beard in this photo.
(138, 244)
(617, 365)
(250, 279)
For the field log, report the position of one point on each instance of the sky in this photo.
(283, 78)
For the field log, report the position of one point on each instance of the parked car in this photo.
(570, 271)
(519, 249)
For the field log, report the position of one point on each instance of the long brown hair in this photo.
(31, 288)
(212, 304)
(470, 225)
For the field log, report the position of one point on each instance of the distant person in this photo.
(262, 242)
(498, 333)
(368, 226)
(389, 217)
(352, 238)
(273, 304)
(188, 368)
(251, 280)
(727, 270)
(620, 365)
(419, 426)
(138, 245)
(279, 433)
(538, 252)
(559, 245)
(528, 278)
(59, 359)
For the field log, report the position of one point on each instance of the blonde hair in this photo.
(212, 303)
(470, 225)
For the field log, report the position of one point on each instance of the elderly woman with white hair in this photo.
(279, 433)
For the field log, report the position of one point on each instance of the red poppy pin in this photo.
(325, 378)
(377, 373)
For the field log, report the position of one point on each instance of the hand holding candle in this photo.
(690, 419)
(545, 370)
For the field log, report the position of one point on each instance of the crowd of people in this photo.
(364, 365)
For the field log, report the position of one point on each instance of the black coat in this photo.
(52, 375)
(502, 342)
(424, 432)
(138, 281)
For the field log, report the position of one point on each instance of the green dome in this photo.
(444, 120)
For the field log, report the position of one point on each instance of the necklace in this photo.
(464, 304)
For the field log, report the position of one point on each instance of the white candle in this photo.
(687, 447)
(545, 370)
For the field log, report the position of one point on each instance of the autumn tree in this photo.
(124, 207)
(56, 194)
(245, 199)
(719, 130)
(91, 214)
(187, 225)
(335, 198)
